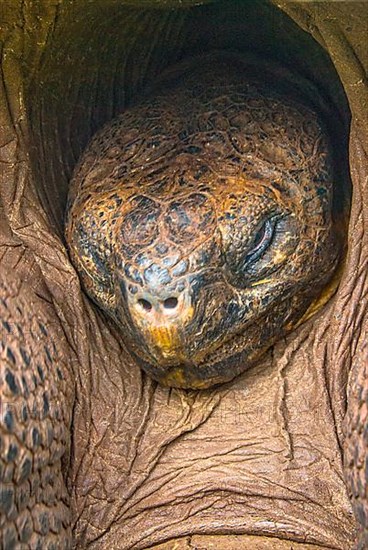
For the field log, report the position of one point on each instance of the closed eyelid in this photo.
(266, 232)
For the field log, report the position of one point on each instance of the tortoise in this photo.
(148, 216)
(203, 219)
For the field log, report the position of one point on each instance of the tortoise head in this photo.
(202, 222)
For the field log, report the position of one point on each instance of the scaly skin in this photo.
(201, 220)
(36, 396)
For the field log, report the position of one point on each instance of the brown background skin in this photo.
(259, 456)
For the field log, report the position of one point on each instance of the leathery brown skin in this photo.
(201, 220)
(36, 388)
(356, 446)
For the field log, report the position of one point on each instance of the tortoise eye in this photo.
(261, 241)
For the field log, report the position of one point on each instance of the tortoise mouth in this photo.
(221, 364)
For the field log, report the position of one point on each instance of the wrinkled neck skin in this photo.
(257, 456)
(201, 221)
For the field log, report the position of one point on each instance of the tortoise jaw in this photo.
(167, 356)
(186, 375)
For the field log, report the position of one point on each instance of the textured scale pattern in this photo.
(35, 419)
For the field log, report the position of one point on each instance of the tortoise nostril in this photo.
(145, 304)
(170, 303)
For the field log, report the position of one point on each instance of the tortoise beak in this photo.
(161, 321)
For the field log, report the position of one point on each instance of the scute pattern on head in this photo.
(201, 219)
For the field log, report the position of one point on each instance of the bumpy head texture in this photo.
(201, 220)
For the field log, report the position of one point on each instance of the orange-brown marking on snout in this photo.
(161, 323)
(166, 338)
